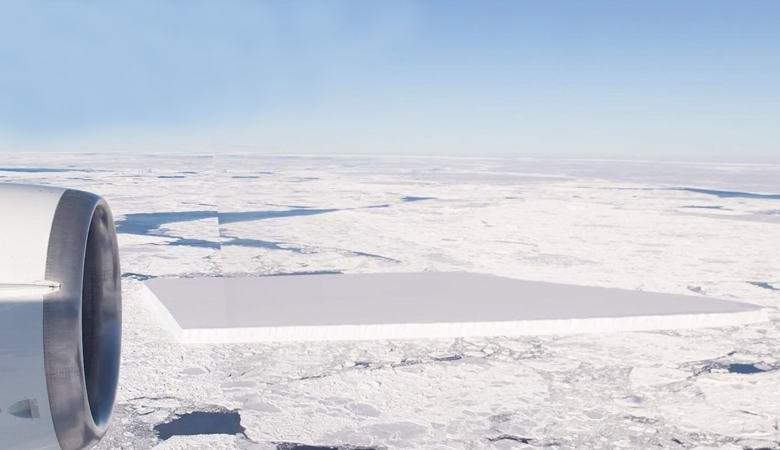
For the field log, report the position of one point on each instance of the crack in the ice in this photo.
(298, 446)
(723, 365)
(448, 358)
(511, 437)
(153, 398)
(137, 276)
(642, 420)
(764, 285)
(219, 421)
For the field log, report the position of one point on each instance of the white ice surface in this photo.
(597, 223)
(418, 306)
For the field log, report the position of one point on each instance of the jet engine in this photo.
(60, 317)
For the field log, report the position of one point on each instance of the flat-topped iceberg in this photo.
(418, 305)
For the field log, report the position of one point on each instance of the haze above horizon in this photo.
(695, 80)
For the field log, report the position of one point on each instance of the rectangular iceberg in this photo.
(418, 305)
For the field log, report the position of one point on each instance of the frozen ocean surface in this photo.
(663, 227)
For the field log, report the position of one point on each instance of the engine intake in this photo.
(60, 317)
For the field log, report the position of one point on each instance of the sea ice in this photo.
(613, 224)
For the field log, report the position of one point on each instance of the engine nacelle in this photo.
(60, 317)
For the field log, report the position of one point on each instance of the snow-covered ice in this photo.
(677, 228)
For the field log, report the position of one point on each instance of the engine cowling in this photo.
(60, 317)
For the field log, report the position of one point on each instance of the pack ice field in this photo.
(704, 230)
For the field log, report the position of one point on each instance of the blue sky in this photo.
(655, 79)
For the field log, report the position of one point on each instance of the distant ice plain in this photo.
(680, 228)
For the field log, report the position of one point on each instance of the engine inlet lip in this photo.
(81, 355)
